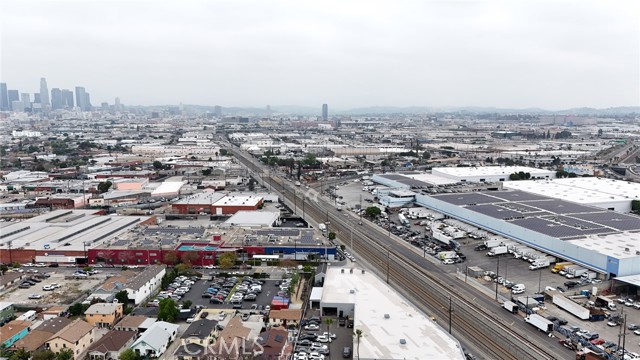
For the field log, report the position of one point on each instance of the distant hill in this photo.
(388, 110)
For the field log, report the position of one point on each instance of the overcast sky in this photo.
(516, 54)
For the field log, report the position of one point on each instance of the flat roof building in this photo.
(489, 173)
(392, 327)
(603, 193)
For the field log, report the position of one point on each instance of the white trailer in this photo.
(441, 237)
(539, 264)
(491, 243)
(575, 272)
(510, 307)
(403, 220)
(540, 323)
(572, 307)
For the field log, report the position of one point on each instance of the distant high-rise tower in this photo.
(87, 101)
(4, 98)
(325, 112)
(67, 99)
(81, 98)
(36, 98)
(117, 104)
(44, 93)
(26, 100)
(13, 95)
(56, 99)
(217, 110)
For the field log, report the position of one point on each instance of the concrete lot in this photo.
(70, 290)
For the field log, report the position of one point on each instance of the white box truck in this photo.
(498, 250)
(539, 264)
(322, 227)
(491, 243)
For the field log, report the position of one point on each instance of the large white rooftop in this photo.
(253, 218)
(583, 190)
(432, 179)
(619, 245)
(373, 300)
(462, 172)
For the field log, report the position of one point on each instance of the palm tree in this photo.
(328, 321)
(358, 335)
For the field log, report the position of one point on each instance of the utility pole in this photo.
(497, 272)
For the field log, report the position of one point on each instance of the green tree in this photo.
(189, 258)
(128, 354)
(206, 172)
(224, 152)
(157, 165)
(635, 206)
(252, 184)
(332, 236)
(426, 155)
(186, 304)
(65, 354)
(122, 296)
(358, 335)
(514, 177)
(373, 211)
(104, 186)
(76, 309)
(22, 354)
(168, 310)
(182, 268)
(227, 260)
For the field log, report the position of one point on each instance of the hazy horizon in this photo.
(529, 54)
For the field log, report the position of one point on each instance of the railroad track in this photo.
(474, 323)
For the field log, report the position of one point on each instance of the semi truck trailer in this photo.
(540, 323)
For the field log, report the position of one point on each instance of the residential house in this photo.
(145, 283)
(53, 312)
(285, 317)
(7, 312)
(111, 345)
(77, 336)
(199, 332)
(13, 331)
(104, 314)
(233, 341)
(155, 341)
(137, 323)
(38, 337)
(272, 345)
(191, 351)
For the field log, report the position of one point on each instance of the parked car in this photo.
(312, 327)
(35, 296)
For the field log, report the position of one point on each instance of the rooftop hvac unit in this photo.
(387, 316)
(350, 271)
(342, 271)
(352, 291)
(363, 271)
(626, 249)
(403, 341)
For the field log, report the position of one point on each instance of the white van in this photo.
(518, 289)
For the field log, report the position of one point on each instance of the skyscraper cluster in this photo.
(13, 100)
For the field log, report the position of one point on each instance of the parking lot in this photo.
(344, 336)
(269, 290)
